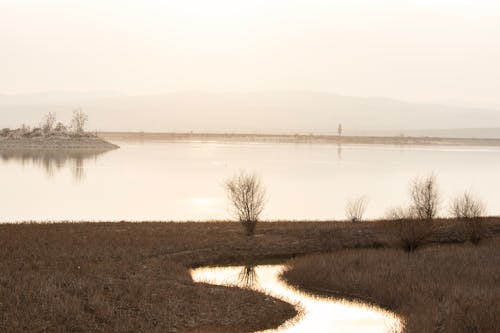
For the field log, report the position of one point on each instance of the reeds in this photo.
(451, 288)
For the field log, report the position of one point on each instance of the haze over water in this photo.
(184, 180)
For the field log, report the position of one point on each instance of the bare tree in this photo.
(48, 122)
(424, 196)
(247, 197)
(469, 209)
(355, 208)
(78, 121)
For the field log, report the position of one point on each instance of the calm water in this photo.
(318, 314)
(183, 181)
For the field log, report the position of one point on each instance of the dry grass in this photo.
(133, 277)
(440, 288)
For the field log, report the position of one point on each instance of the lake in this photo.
(159, 180)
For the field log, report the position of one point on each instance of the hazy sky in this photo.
(417, 50)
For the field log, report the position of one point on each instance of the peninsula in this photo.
(52, 135)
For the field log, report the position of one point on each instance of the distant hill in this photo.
(257, 112)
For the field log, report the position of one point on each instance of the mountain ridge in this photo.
(286, 112)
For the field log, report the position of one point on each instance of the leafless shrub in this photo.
(470, 210)
(355, 208)
(424, 195)
(467, 206)
(399, 213)
(247, 197)
(78, 121)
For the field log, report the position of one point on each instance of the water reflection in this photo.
(248, 277)
(53, 161)
(318, 314)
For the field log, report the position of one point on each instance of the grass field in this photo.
(439, 288)
(134, 277)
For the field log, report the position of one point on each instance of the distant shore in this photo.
(298, 138)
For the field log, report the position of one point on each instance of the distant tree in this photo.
(78, 121)
(247, 197)
(424, 195)
(355, 209)
(339, 130)
(48, 122)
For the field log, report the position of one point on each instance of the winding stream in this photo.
(318, 314)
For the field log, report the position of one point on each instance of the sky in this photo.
(445, 51)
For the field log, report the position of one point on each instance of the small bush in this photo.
(412, 230)
(397, 213)
(470, 210)
(467, 206)
(355, 209)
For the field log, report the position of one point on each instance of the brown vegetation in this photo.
(122, 277)
(442, 288)
(470, 210)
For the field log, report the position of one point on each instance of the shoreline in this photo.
(297, 138)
